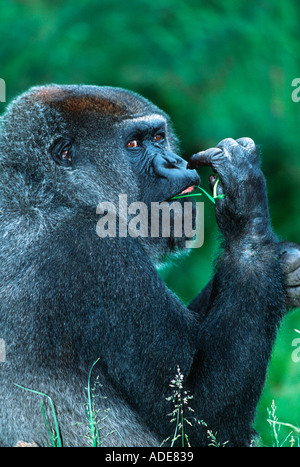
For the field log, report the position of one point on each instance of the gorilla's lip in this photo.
(187, 190)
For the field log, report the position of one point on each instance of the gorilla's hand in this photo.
(289, 254)
(243, 212)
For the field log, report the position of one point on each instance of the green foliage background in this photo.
(220, 69)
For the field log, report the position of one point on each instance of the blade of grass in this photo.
(91, 417)
(211, 198)
(56, 427)
(294, 428)
(52, 436)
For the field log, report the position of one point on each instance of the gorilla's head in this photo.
(81, 145)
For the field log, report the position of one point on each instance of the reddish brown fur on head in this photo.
(69, 100)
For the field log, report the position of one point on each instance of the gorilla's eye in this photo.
(158, 138)
(63, 151)
(134, 143)
(66, 156)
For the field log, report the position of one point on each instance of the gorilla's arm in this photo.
(235, 341)
(246, 298)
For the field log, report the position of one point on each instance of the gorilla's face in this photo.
(162, 174)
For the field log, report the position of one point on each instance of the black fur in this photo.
(68, 297)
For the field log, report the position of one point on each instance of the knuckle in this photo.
(232, 150)
(250, 150)
(226, 143)
(245, 142)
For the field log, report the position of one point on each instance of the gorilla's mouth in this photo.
(186, 191)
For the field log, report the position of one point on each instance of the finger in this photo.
(227, 143)
(203, 158)
(229, 146)
(289, 254)
(293, 278)
(212, 181)
(250, 148)
(216, 187)
(235, 152)
(246, 143)
(293, 297)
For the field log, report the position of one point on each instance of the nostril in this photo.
(171, 163)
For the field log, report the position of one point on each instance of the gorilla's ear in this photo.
(62, 152)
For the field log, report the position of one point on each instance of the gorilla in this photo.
(70, 298)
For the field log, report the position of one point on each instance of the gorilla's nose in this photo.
(173, 162)
(172, 166)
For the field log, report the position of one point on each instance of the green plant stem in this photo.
(182, 429)
(294, 428)
(176, 429)
(91, 417)
(58, 438)
(211, 198)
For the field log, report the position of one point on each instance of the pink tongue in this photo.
(187, 190)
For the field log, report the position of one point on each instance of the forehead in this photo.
(144, 122)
